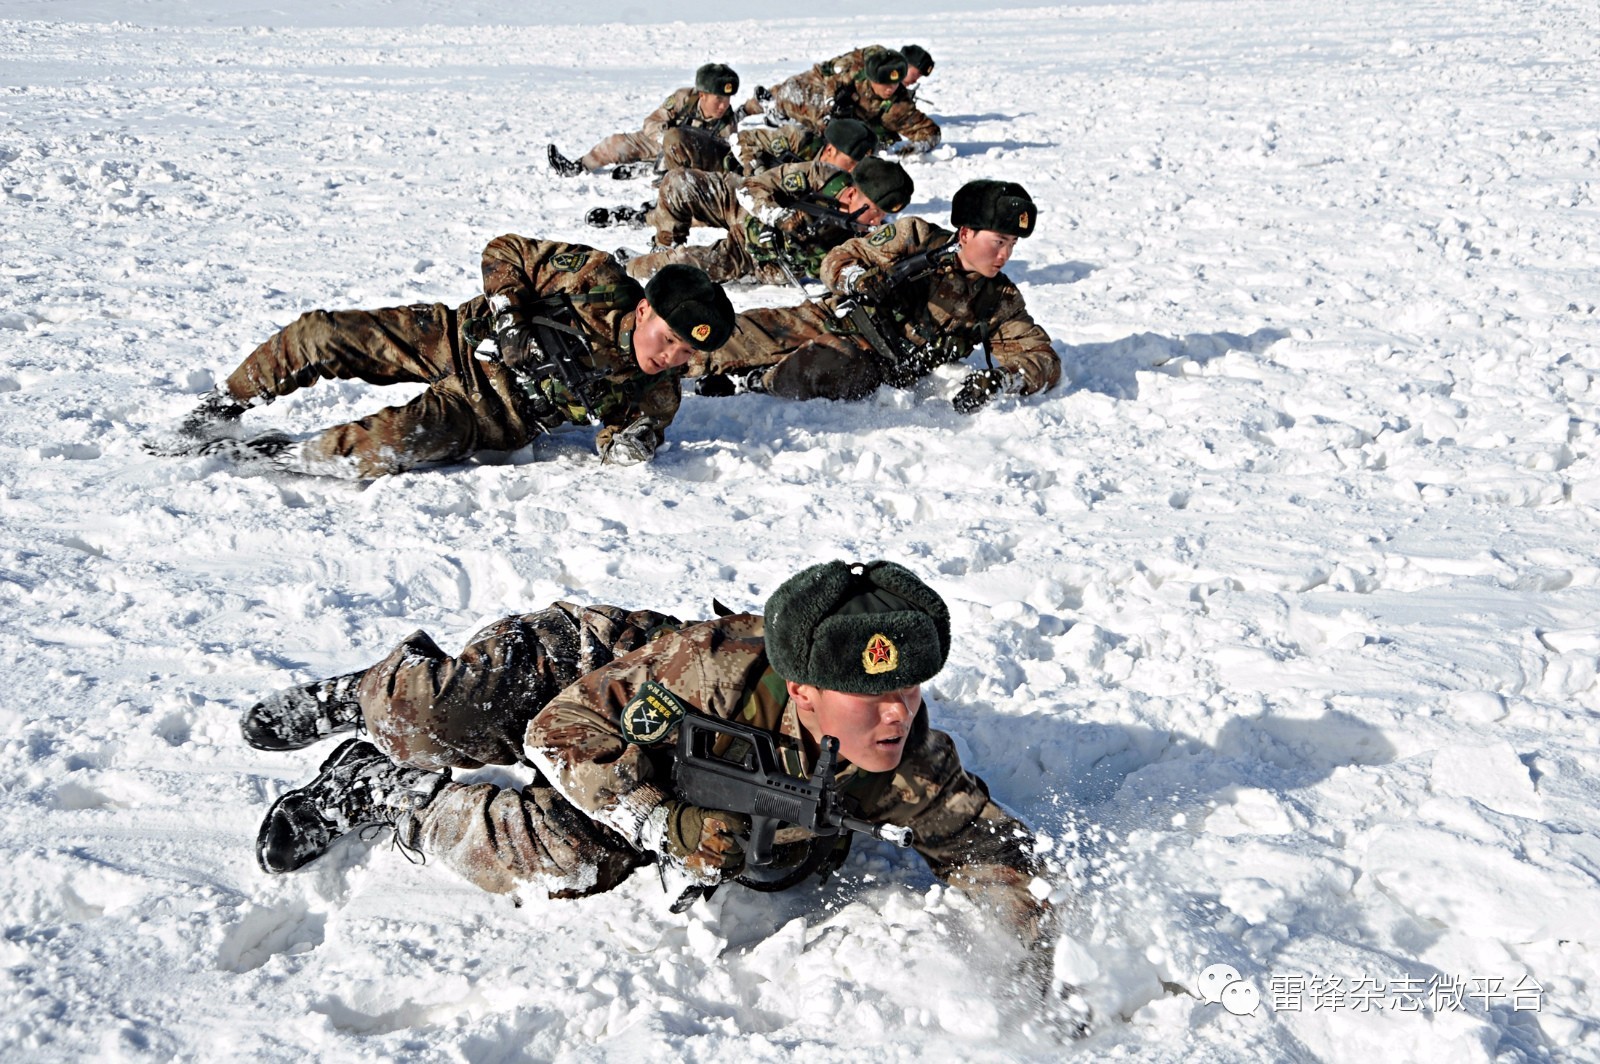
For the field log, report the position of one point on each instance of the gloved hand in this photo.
(514, 337)
(870, 283)
(763, 242)
(980, 386)
(706, 841)
(634, 444)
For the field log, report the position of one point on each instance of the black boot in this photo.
(217, 410)
(563, 165)
(357, 786)
(629, 171)
(601, 217)
(299, 716)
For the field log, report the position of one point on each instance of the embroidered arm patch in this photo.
(651, 714)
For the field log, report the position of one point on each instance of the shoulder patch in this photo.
(569, 261)
(795, 182)
(884, 234)
(651, 714)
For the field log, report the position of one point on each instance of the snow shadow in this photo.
(1113, 367)
(1049, 273)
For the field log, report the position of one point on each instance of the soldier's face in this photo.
(984, 250)
(884, 89)
(714, 105)
(655, 346)
(852, 200)
(834, 157)
(913, 75)
(871, 729)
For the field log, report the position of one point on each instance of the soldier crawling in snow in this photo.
(560, 335)
(914, 296)
(592, 698)
(690, 130)
(844, 142)
(867, 84)
(780, 223)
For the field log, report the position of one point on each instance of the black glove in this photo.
(514, 337)
(634, 444)
(978, 388)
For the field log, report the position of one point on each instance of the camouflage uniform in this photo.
(578, 830)
(471, 404)
(742, 206)
(818, 355)
(763, 147)
(697, 142)
(838, 88)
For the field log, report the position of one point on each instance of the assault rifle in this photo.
(748, 778)
(559, 351)
(824, 214)
(875, 322)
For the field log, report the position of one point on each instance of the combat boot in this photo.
(217, 410)
(563, 165)
(601, 217)
(299, 716)
(629, 171)
(357, 786)
(721, 385)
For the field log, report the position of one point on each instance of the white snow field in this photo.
(1277, 619)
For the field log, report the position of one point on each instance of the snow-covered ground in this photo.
(1278, 619)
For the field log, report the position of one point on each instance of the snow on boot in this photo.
(299, 716)
(629, 171)
(217, 410)
(563, 165)
(720, 385)
(270, 448)
(357, 786)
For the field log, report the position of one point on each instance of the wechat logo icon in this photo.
(1222, 984)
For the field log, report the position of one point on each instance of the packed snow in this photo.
(1277, 619)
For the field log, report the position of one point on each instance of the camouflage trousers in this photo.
(679, 148)
(425, 708)
(810, 357)
(690, 198)
(470, 405)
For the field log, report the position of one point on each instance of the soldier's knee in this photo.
(819, 372)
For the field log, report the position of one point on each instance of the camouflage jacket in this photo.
(604, 748)
(952, 309)
(681, 110)
(524, 271)
(838, 89)
(768, 197)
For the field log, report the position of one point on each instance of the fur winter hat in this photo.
(918, 56)
(1003, 206)
(852, 137)
(717, 78)
(886, 184)
(862, 628)
(694, 305)
(885, 67)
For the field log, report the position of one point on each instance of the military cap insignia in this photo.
(650, 714)
(1022, 220)
(882, 236)
(570, 261)
(727, 88)
(701, 332)
(795, 182)
(880, 655)
(894, 75)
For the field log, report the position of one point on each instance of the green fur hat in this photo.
(863, 628)
(885, 67)
(886, 184)
(716, 78)
(918, 56)
(694, 305)
(1003, 206)
(852, 137)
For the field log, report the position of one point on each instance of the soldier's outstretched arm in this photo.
(844, 267)
(1019, 345)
